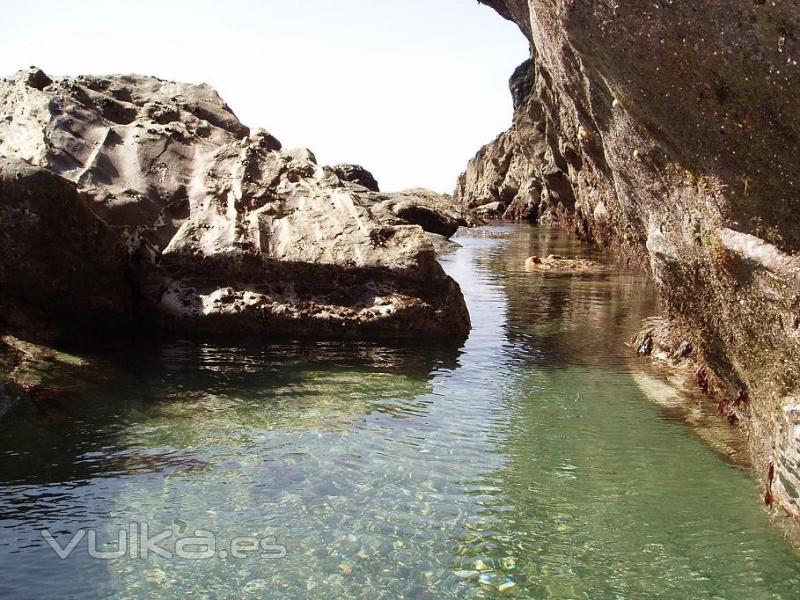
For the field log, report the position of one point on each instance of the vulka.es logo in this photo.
(136, 542)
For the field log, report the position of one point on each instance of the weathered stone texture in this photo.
(676, 127)
(219, 229)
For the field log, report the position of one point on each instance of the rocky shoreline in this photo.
(645, 131)
(131, 202)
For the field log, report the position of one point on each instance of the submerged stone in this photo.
(466, 574)
(560, 264)
(508, 584)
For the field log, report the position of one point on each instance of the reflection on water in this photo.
(527, 461)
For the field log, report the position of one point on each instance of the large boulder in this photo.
(226, 232)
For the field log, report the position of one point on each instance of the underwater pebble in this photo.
(508, 563)
(156, 575)
(507, 585)
(256, 585)
(466, 574)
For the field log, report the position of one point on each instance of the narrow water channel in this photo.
(527, 463)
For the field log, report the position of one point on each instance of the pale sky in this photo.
(408, 88)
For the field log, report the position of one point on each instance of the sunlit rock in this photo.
(225, 232)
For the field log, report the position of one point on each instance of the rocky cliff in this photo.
(518, 176)
(675, 127)
(128, 200)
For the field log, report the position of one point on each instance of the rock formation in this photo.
(517, 176)
(435, 213)
(356, 174)
(675, 126)
(129, 197)
(62, 266)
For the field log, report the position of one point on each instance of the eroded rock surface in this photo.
(675, 126)
(223, 230)
(356, 174)
(517, 176)
(435, 213)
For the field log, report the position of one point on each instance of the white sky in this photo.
(408, 88)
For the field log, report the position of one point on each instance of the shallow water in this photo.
(528, 457)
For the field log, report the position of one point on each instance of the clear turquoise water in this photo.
(528, 456)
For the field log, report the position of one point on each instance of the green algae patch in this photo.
(27, 368)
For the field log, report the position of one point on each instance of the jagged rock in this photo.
(227, 232)
(356, 174)
(37, 78)
(683, 156)
(517, 176)
(435, 213)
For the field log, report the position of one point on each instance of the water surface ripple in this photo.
(526, 463)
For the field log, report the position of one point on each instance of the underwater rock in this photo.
(466, 574)
(508, 584)
(31, 371)
(559, 264)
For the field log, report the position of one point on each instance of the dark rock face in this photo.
(670, 131)
(218, 229)
(62, 267)
(356, 174)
